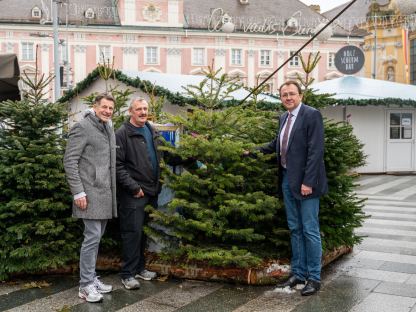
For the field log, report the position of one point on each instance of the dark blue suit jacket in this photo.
(305, 153)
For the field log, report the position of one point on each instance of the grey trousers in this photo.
(93, 231)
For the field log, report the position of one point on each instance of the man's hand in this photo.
(81, 203)
(139, 194)
(305, 190)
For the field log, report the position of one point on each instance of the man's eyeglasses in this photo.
(286, 95)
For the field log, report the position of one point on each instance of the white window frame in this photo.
(295, 62)
(151, 59)
(108, 55)
(233, 57)
(199, 59)
(331, 60)
(28, 51)
(63, 53)
(262, 58)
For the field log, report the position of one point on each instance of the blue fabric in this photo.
(147, 134)
(303, 222)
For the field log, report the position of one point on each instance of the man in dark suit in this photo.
(299, 145)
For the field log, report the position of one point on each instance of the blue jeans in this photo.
(305, 237)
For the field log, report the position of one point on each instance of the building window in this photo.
(331, 60)
(265, 57)
(63, 53)
(152, 55)
(27, 51)
(198, 56)
(401, 125)
(236, 57)
(413, 61)
(104, 54)
(390, 74)
(36, 12)
(294, 62)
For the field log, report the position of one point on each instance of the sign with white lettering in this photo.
(349, 60)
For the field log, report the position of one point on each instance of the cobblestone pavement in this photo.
(380, 275)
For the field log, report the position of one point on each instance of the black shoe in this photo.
(310, 288)
(291, 282)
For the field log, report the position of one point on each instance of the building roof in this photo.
(261, 12)
(21, 11)
(355, 14)
(359, 88)
(175, 83)
(258, 16)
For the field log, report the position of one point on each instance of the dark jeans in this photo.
(132, 219)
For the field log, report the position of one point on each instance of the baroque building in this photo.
(389, 42)
(248, 39)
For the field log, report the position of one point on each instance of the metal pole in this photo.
(57, 89)
(67, 48)
(374, 74)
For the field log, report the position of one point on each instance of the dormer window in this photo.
(36, 12)
(89, 13)
(292, 22)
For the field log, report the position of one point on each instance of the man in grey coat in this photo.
(89, 163)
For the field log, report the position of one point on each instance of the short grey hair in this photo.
(137, 99)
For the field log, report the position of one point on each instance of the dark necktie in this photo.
(283, 148)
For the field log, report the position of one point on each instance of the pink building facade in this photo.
(169, 36)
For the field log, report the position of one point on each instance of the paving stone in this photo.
(174, 297)
(398, 289)
(225, 299)
(59, 300)
(339, 295)
(390, 249)
(21, 297)
(378, 275)
(386, 257)
(376, 302)
(8, 288)
(398, 267)
(411, 280)
(122, 297)
(272, 301)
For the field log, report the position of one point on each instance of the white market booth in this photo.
(382, 114)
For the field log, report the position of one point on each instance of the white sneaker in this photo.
(90, 293)
(101, 287)
(130, 283)
(146, 275)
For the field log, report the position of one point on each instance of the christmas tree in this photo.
(225, 209)
(36, 228)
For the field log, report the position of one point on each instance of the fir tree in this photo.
(224, 208)
(36, 228)
(225, 212)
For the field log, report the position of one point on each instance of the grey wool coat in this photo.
(89, 161)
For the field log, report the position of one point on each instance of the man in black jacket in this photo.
(138, 173)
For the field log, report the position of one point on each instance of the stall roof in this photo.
(175, 83)
(359, 88)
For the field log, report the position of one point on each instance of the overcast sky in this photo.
(325, 4)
